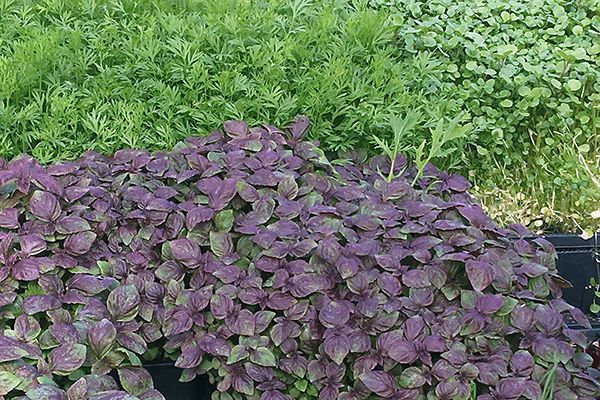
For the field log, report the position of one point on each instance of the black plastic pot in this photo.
(577, 264)
(166, 381)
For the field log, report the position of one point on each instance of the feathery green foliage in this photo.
(104, 75)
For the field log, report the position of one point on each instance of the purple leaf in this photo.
(307, 284)
(191, 357)
(403, 352)
(235, 129)
(66, 358)
(198, 215)
(243, 323)
(32, 244)
(185, 251)
(480, 274)
(547, 319)
(123, 303)
(414, 328)
(101, 337)
(27, 269)
(522, 317)
(112, 395)
(39, 303)
(44, 205)
(334, 314)
(64, 332)
(337, 347)
(288, 187)
(177, 321)
(11, 349)
(299, 128)
(416, 278)
(9, 218)
(510, 388)
(532, 269)
(488, 304)
(522, 363)
(379, 382)
(27, 328)
(221, 194)
(221, 306)
(89, 284)
(70, 225)
(228, 273)
(135, 380)
(389, 284)
(80, 243)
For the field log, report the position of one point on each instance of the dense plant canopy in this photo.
(106, 75)
(248, 256)
(528, 73)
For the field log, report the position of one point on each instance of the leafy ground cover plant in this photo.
(527, 75)
(246, 255)
(107, 75)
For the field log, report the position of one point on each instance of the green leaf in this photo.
(573, 85)
(584, 148)
(482, 151)
(301, 385)
(412, 378)
(467, 299)
(471, 65)
(8, 382)
(524, 91)
(220, 243)
(594, 308)
(263, 356)
(238, 353)
(508, 304)
(224, 220)
(579, 53)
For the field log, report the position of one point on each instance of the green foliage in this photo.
(548, 383)
(77, 75)
(402, 128)
(104, 75)
(426, 151)
(528, 75)
(441, 135)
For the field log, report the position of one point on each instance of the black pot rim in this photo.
(570, 241)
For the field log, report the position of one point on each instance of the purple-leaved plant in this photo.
(247, 256)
